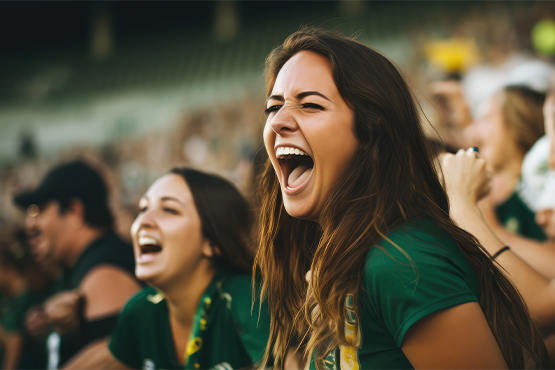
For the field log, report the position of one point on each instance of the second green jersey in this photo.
(516, 217)
(229, 332)
(33, 352)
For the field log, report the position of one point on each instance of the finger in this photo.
(460, 152)
(446, 158)
(472, 152)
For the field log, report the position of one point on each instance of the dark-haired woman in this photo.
(350, 193)
(190, 246)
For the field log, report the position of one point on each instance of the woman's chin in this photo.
(301, 211)
(146, 275)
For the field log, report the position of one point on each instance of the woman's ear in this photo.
(216, 251)
(209, 250)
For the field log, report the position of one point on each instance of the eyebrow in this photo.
(164, 199)
(172, 198)
(300, 96)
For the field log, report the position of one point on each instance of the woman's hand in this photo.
(465, 176)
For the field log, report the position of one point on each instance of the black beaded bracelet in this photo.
(498, 253)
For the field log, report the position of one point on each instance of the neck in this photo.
(504, 181)
(512, 168)
(183, 298)
(83, 238)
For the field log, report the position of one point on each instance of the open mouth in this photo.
(296, 166)
(149, 245)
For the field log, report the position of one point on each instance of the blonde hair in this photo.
(522, 111)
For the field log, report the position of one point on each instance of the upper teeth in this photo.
(281, 151)
(144, 240)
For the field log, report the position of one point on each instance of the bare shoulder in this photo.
(454, 337)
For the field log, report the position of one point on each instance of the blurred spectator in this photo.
(454, 114)
(509, 125)
(538, 186)
(74, 229)
(22, 284)
(465, 182)
(512, 123)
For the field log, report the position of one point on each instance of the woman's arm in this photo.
(537, 291)
(464, 175)
(549, 123)
(454, 338)
(95, 356)
(539, 255)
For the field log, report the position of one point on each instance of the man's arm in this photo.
(105, 289)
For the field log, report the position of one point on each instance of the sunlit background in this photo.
(139, 87)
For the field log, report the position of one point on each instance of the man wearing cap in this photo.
(75, 230)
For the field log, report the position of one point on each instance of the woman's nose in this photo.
(283, 121)
(146, 218)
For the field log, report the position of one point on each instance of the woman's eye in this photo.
(272, 109)
(142, 209)
(312, 106)
(171, 210)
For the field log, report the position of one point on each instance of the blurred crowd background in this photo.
(136, 88)
(139, 87)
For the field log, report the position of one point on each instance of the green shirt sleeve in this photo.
(252, 319)
(123, 341)
(404, 287)
(14, 318)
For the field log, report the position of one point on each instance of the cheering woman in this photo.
(190, 243)
(349, 193)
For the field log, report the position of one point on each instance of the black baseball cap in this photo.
(71, 180)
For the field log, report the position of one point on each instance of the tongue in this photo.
(150, 249)
(298, 175)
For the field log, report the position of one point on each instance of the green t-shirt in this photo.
(13, 319)
(516, 217)
(395, 294)
(33, 353)
(224, 332)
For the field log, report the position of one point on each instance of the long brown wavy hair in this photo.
(391, 180)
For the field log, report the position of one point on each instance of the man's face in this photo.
(53, 231)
